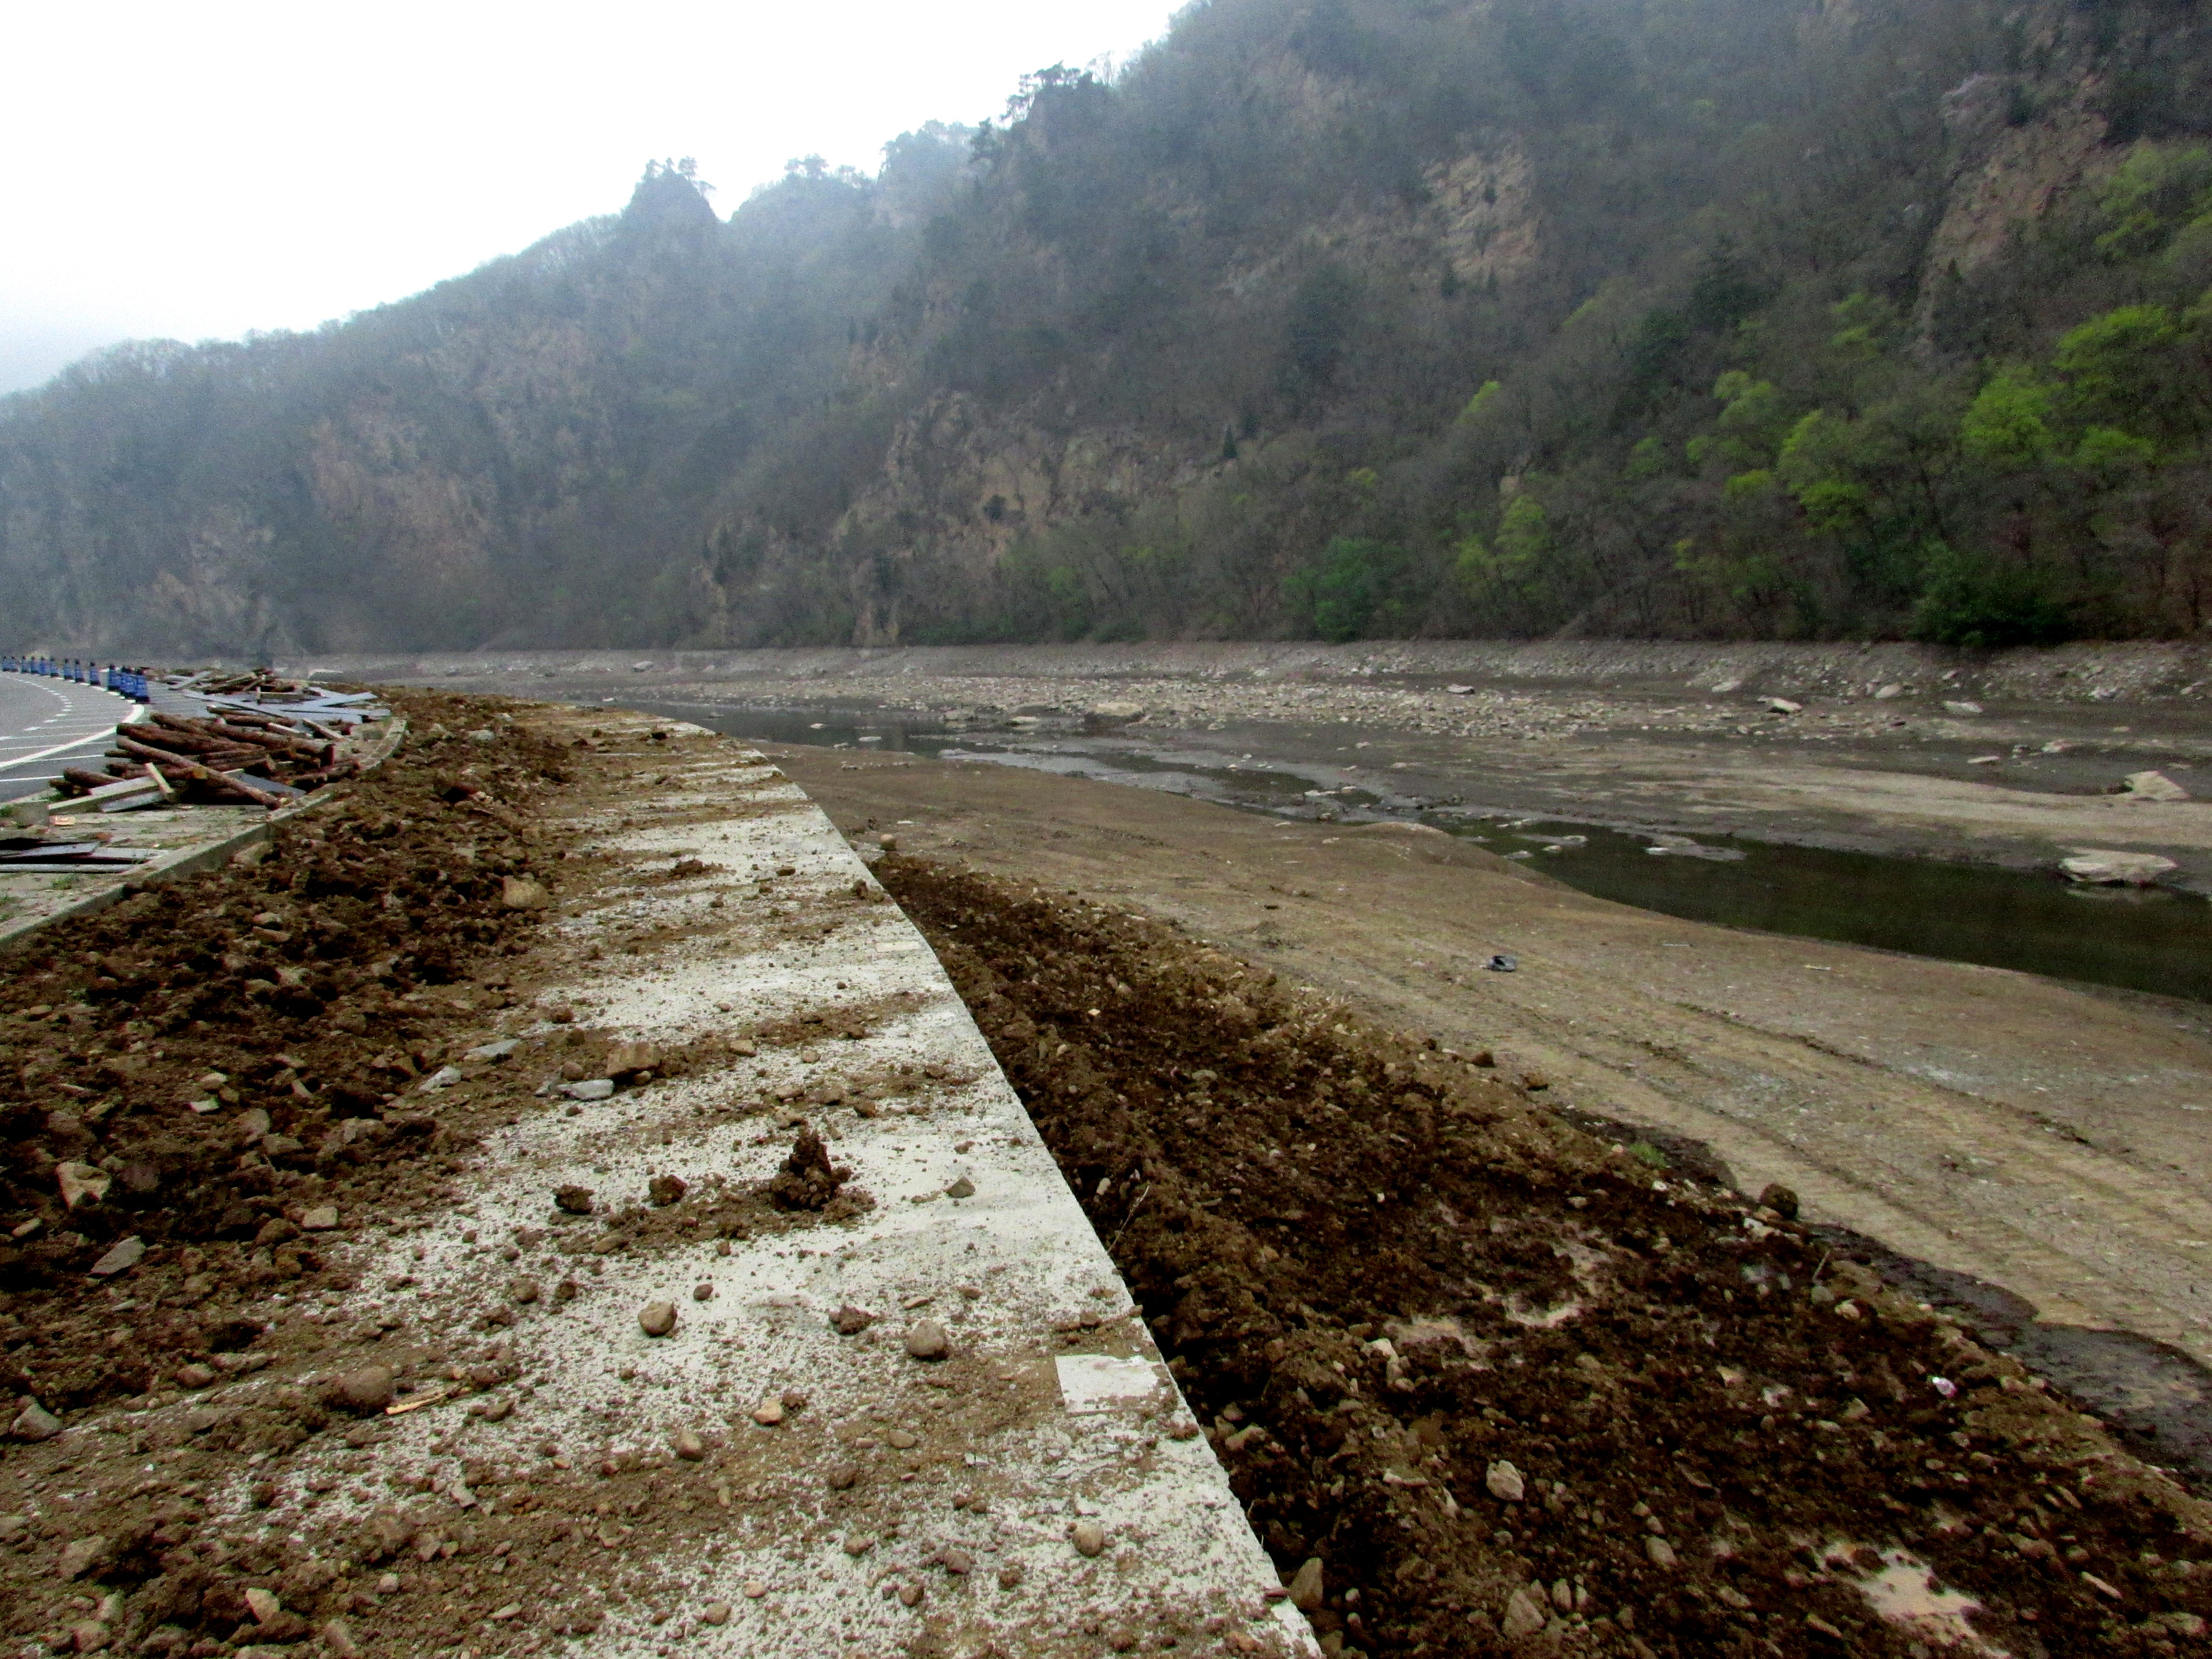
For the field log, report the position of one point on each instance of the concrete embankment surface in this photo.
(552, 1196)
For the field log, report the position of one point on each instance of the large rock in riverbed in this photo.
(2154, 786)
(2100, 867)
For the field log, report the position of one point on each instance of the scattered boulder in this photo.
(664, 1190)
(1964, 710)
(849, 1320)
(1661, 1552)
(80, 1556)
(657, 1318)
(928, 1341)
(575, 1201)
(1781, 1200)
(597, 1088)
(1305, 1587)
(1089, 1538)
(1118, 711)
(1784, 706)
(1504, 1482)
(34, 1422)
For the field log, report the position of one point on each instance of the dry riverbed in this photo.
(2020, 760)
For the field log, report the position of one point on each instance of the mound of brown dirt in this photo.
(295, 997)
(1504, 1385)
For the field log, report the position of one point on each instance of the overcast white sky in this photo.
(194, 171)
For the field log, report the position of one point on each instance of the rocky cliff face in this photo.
(1338, 314)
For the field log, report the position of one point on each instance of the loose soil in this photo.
(1385, 1273)
(1285, 1186)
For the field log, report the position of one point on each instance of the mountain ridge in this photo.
(1327, 318)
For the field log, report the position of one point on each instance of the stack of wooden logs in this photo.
(233, 759)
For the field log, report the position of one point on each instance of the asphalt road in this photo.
(48, 724)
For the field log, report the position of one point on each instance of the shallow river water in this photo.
(2143, 940)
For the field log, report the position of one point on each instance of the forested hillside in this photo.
(1327, 317)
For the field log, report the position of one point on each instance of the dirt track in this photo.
(2027, 1134)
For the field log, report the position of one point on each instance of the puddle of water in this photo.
(2143, 939)
(2151, 940)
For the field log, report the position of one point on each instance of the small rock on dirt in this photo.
(34, 1422)
(1307, 1591)
(368, 1389)
(1525, 1614)
(716, 1613)
(576, 1200)
(1504, 1482)
(1661, 1552)
(120, 1258)
(81, 1556)
(842, 1477)
(81, 1184)
(962, 1187)
(520, 893)
(1784, 706)
(849, 1320)
(322, 1219)
(664, 1190)
(657, 1318)
(597, 1088)
(522, 1292)
(689, 1445)
(1089, 1538)
(768, 1412)
(928, 1341)
(1779, 1199)
(629, 1058)
(1965, 710)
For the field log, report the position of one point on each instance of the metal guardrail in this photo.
(129, 682)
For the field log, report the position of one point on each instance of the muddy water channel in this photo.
(2144, 940)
